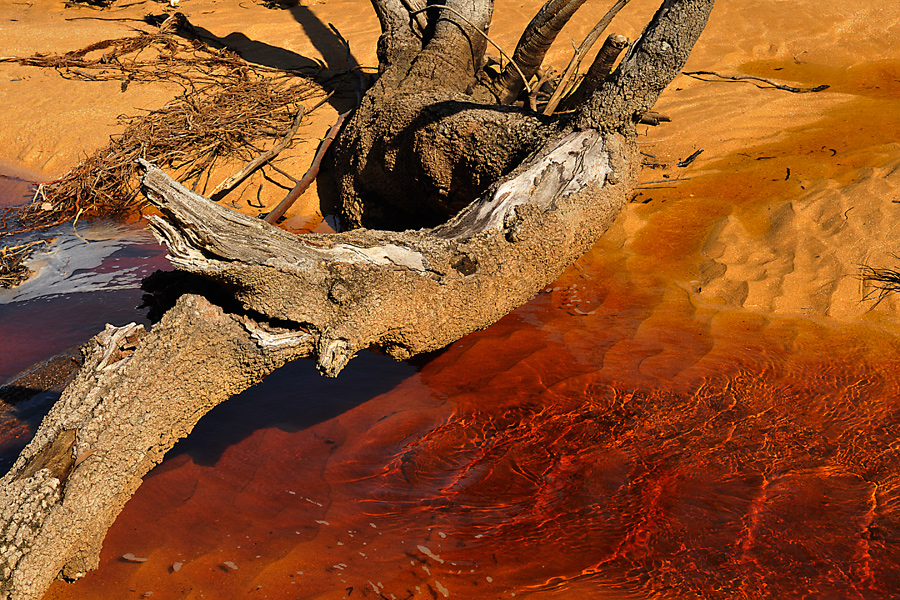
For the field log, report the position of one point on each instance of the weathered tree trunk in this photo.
(531, 195)
(135, 396)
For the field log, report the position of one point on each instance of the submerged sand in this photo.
(741, 266)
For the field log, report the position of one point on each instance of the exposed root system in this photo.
(229, 109)
(187, 136)
(170, 52)
(12, 263)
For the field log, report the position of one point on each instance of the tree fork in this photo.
(327, 296)
(533, 46)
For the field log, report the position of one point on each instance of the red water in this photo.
(610, 439)
(626, 453)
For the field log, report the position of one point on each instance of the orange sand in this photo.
(752, 238)
(745, 272)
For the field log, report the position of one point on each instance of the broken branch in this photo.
(582, 51)
(769, 83)
(310, 175)
(598, 71)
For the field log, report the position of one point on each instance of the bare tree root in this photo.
(171, 52)
(331, 296)
(221, 121)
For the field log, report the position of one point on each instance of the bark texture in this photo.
(413, 291)
(430, 137)
(411, 156)
(136, 395)
(648, 67)
(530, 195)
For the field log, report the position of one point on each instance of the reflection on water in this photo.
(614, 438)
(92, 260)
(554, 455)
(82, 280)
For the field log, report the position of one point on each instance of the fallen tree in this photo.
(431, 138)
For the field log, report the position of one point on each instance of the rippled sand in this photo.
(702, 406)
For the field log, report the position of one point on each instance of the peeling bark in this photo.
(536, 194)
(135, 396)
(361, 288)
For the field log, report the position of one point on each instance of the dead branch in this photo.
(12, 263)
(543, 78)
(653, 118)
(310, 174)
(51, 491)
(228, 184)
(770, 84)
(482, 34)
(651, 63)
(582, 51)
(686, 162)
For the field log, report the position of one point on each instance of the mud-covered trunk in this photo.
(497, 202)
(429, 137)
(412, 155)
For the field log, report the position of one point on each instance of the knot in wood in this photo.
(464, 264)
(339, 294)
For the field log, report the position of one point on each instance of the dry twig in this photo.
(884, 282)
(229, 183)
(227, 108)
(752, 78)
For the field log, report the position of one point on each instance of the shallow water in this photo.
(620, 436)
(81, 280)
(631, 452)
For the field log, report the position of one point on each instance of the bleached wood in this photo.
(324, 296)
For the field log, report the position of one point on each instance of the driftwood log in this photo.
(431, 134)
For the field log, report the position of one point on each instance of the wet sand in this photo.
(702, 406)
